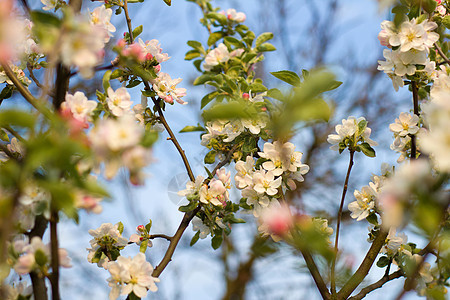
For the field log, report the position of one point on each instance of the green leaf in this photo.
(429, 5)
(195, 238)
(120, 227)
(214, 37)
(263, 37)
(195, 45)
(446, 22)
(17, 117)
(40, 17)
(191, 54)
(257, 87)
(210, 157)
(275, 94)
(203, 79)
(105, 81)
(6, 92)
(191, 128)
(372, 219)
(216, 241)
(143, 246)
(229, 110)
(137, 31)
(266, 47)
(208, 98)
(4, 136)
(148, 226)
(189, 207)
(233, 41)
(168, 2)
(362, 126)
(133, 83)
(383, 262)
(367, 150)
(288, 77)
(150, 137)
(334, 85)
(222, 19)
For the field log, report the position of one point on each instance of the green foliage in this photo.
(216, 241)
(288, 77)
(383, 261)
(195, 238)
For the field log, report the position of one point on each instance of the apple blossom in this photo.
(131, 275)
(79, 105)
(119, 101)
(216, 56)
(101, 16)
(49, 4)
(153, 48)
(265, 182)
(233, 15)
(166, 89)
(197, 225)
(405, 124)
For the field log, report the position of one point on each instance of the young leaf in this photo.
(263, 37)
(216, 241)
(120, 227)
(383, 262)
(191, 54)
(143, 246)
(137, 31)
(367, 150)
(288, 77)
(148, 226)
(214, 37)
(195, 238)
(191, 128)
(266, 47)
(168, 2)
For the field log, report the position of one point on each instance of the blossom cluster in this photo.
(34, 255)
(410, 45)
(215, 192)
(366, 198)
(260, 182)
(353, 134)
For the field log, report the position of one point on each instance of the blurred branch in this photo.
(415, 93)
(54, 276)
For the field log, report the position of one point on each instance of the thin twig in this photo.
(24, 91)
(415, 93)
(312, 267)
(172, 135)
(36, 81)
(442, 54)
(127, 16)
(370, 288)
(226, 159)
(162, 236)
(338, 226)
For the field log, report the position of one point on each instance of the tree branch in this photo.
(127, 17)
(370, 288)
(174, 241)
(442, 54)
(54, 277)
(312, 267)
(338, 226)
(365, 266)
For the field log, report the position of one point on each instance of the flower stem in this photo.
(415, 93)
(338, 226)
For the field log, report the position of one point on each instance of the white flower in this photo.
(279, 156)
(214, 193)
(228, 130)
(265, 182)
(405, 124)
(101, 16)
(402, 63)
(119, 101)
(131, 275)
(115, 135)
(349, 129)
(364, 203)
(192, 188)
(166, 88)
(416, 36)
(49, 4)
(394, 242)
(79, 105)
(197, 225)
(258, 201)
(154, 49)
(244, 170)
(254, 125)
(82, 46)
(232, 15)
(20, 74)
(216, 56)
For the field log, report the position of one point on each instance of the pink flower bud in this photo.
(157, 68)
(140, 228)
(168, 99)
(149, 56)
(246, 96)
(383, 37)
